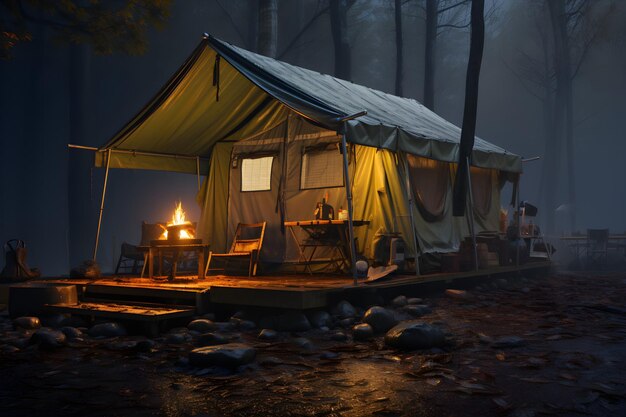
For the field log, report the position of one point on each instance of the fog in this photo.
(41, 179)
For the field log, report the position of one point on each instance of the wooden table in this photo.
(201, 250)
(316, 229)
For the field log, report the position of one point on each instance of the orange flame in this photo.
(179, 218)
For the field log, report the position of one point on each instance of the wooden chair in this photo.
(247, 245)
(131, 256)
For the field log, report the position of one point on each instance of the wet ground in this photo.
(570, 361)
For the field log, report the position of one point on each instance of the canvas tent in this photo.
(268, 136)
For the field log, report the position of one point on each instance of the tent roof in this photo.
(189, 115)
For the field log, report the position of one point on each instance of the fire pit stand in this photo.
(176, 246)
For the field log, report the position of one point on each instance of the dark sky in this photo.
(34, 113)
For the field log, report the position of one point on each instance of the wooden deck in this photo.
(285, 291)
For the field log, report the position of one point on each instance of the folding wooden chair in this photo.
(131, 256)
(247, 245)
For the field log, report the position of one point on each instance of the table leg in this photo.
(200, 255)
(175, 258)
(302, 257)
(151, 262)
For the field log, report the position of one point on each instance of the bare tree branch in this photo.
(302, 31)
(233, 24)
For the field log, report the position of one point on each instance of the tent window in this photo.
(321, 169)
(256, 174)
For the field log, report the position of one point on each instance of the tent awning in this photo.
(225, 93)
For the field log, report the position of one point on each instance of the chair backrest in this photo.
(598, 238)
(150, 232)
(248, 237)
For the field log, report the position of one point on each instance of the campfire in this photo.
(179, 228)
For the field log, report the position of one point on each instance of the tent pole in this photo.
(104, 190)
(409, 193)
(198, 171)
(471, 213)
(519, 225)
(346, 172)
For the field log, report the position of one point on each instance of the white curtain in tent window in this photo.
(256, 173)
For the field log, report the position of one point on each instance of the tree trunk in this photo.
(339, 29)
(268, 28)
(468, 130)
(563, 98)
(399, 48)
(82, 220)
(429, 53)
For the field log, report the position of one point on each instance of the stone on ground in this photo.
(320, 319)
(414, 300)
(109, 329)
(380, 319)
(230, 355)
(201, 325)
(71, 332)
(344, 310)
(27, 322)
(362, 331)
(458, 294)
(48, 338)
(399, 301)
(417, 310)
(211, 339)
(412, 335)
(268, 334)
(303, 343)
(339, 336)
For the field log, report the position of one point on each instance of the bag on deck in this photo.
(16, 268)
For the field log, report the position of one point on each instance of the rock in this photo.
(8, 349)
(53, 320)
(417, 310)
(303, 343)
(338, 336)
(399, 301)
(107, 330)
(268, 334)
(243, 324)
(289, 322)
(87, 269)
(176, 338)
(28, 323)
(48, 338)
(362, 331)
(209, 316)
(525, 290)
(211, 339)
(320, 318)
(380, 319)
(122, 345)
(324, 328)
(507, 342)
(329, 355)
(344, 310)
(458, 294)
(414, 335)
(345, 323)
(230, 355)
(71, 332)
(145, 345)
(484, 339)
(201, 325)
(414, 300)
(239, 315)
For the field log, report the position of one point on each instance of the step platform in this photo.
(150, 317)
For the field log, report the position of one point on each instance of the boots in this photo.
(16, 268)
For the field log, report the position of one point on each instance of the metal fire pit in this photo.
(173, 233)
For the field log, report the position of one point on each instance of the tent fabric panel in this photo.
(213, 199)
(169, 163)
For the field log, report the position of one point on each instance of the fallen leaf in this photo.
(500, 356)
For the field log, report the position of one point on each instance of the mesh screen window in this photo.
(321, 169)
(256, 174)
